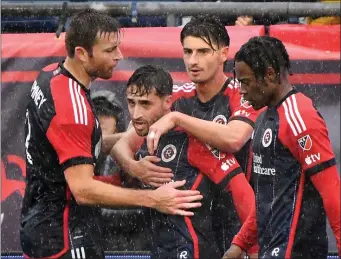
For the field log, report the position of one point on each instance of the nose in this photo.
(242, 89)
(136, 113)
(193, 60)
(118, 55)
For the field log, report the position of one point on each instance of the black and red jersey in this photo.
(225, 106)
(290, 148)
(60, 131)
(189, 159)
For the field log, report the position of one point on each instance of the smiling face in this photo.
(202, 62)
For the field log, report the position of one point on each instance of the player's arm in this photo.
(224, 172)
(313, 150)
(74, 152)
(88, 191)
(145, 170)
(114, 179)
(109, 141)
(72, 142)
(327, 182)
(246, 237)
(125, 148)
(228, 138)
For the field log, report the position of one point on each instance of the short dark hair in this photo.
(263, 51)
(207, 27)
(149, 77)
(103, 107)
(84, 27)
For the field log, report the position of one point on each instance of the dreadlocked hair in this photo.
(261, 52)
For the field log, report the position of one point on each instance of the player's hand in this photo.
(244, 21)
(168, 199)
(234, 252)
(147, 172)
(160, 127)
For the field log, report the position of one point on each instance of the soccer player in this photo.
(63, 139)
(149, 92)
(210, 108)
(294, 171)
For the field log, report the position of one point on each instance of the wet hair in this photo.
(85, 26)
(208, 28)
(263, 51)
(103, 107)
(149, 77)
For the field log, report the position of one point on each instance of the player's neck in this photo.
(207, 90)
(283, 89)
(77, 70)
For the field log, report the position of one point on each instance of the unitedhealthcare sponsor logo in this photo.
(259, 169)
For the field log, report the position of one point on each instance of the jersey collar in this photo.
(65, 72)
(212, 100)
(293, 91)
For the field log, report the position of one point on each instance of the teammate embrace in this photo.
(201, 211)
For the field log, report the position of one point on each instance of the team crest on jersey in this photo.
(220, 119)
(168, 153)
(245, 103)
(267, 137)
(305, 142)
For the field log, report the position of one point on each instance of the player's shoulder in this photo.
(300, 113)
(50, 76)
(183, 90)
(232, 86)
(299, 104)
(45, 76)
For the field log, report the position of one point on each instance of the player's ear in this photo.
(167, 102)
(81, 54)
(271, 75)
(224, 53)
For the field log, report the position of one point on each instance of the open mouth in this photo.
(139, 125)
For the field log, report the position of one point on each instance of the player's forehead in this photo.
(243, 71)
(139, 93)
(194, 43)
(108, 39)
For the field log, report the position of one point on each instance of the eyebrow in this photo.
(198, 49)
(111, 48)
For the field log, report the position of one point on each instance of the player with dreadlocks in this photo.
(294, 172)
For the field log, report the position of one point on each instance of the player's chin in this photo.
(197, 80)
(142, 133)
(257, 106)
(106, 75)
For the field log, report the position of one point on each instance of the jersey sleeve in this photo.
(307, 137)
(219, 170)
(70, 136)
(240, 109)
